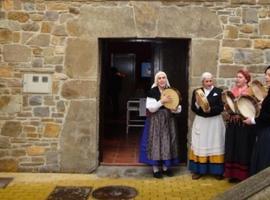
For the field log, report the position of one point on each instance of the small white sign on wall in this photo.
(37, 83)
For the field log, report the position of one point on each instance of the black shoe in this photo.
(234, 180)
(167, 172)
(196, 176)
(157, 174)
(219, 177)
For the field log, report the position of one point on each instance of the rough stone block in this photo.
(18, 152)
(203, 60)
(8, 165)
(10, 104)
(16, 53)
(228, 71)
(252, 2)
(46, 27)
(35, 100)
(52, 130)
(247, 28)
(264, 27)
(51, 157)
(79, 89)
(37, 63)
(226, 55)
(26, 36)
(250, 15)
(262, 43)
(16, 36)
(50, 168)
(4, 142)
(231, 32)
(59, 30)
(53, 60)
(80, 124)
(35, 150)
(83, 63)
(41, 111)
(74, 10)
(146, 15)
(65, 17)
(37, 17)
(241, 43)
(4, 153)
(18, 16)
(51, 15)
(267, 54)
(58, 6)
(257, 69)
(61, 106)
(8, 4)
(183, 22)
(6, 71)
(264, 2)
(107, 21)
(234, 20)
(73, 27)
(41, 40)
(40, 6)
(38, 159)
(84, 158)
(5, 36)
(28, 128)
(11, 129)
(49, 100)
(246, 56)
(29, 6)
(31, 27)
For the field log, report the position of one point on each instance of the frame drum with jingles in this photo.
(258, 90)
(229, 99)
(247, 106)
(202, 100)
(175, 96)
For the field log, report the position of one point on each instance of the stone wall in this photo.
(59, 131)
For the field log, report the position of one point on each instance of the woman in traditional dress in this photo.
(239, 138)
(261, 153)
(206, 155)
(159, 145)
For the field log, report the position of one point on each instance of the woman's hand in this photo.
(197, 99)
(247, 121)
(165, 99)
(209, 109)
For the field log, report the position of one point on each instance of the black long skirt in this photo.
(261, 154)
(239, 143)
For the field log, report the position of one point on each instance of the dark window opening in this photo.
(127, 73)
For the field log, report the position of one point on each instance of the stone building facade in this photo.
(59, 131)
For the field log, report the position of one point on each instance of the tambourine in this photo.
(229, 99)
(257, 90)
(202, 100)
(247, 106)
(175, 96)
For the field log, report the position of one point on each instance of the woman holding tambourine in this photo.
(206, 154)
(159, 144)
(240, 138)
(261, 153)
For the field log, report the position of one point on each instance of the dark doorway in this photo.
(135, 61)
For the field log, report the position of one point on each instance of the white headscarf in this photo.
(206, 75)
(155, 84)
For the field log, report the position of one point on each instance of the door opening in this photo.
(127, 72)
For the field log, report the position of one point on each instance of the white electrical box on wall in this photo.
(37, 83)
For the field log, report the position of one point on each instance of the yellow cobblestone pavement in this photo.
(37, 186)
